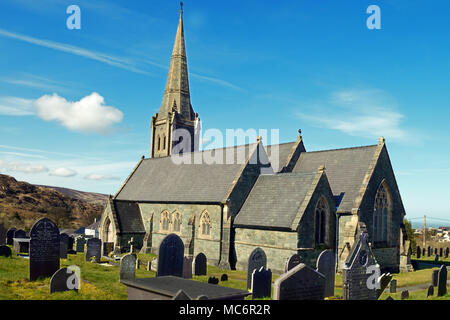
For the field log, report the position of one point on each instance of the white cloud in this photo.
(90, 114)
(97, 177)
(63, 172)
(17, 166)
(14, 106)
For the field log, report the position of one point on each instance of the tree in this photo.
(410, 235)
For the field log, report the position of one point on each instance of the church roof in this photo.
(275, 200)
(164, 180)
(284, 151)
(345, 168)
(129, 217)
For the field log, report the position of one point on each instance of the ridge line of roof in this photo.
(341, 149)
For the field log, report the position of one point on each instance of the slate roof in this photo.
(129, 217)
(284, 150)
(93, 226)
(162, 180)
(345, 169)
(275, 200)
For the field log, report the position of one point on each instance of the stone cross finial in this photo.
(381, 140)
(131, 243)
(321, 169)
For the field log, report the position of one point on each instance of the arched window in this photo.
(159, 143)
(164, 143)
(205, 224)
(165, 221)
(176, 223)
(320, 218)
(381, 214)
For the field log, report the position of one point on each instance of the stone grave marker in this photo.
(181, 295)
(256, 260)
(418, 252)
(300, 283)
(423, 252)
(446, 253)
(354, 271)
(79, 244)
(430, 291)
(2, 235)
(65, 279)
(44, 249)
(128, 267)
(224, 277)
(70, 243)
(5, 251)
(326, 265)
(434, 277)
(94, 249)
(428, 251)
(405, 295)
(64, 245)
(20, 234)
(10, 236)
(187, 267)
(293, 261)
(170, 257)
(393, 286)
(21, 245)
(442, 281)
(389, 298)
(213, 280)
(436, 258)
(199, 264)
(261, 283)
(441, 252)
(435, 251)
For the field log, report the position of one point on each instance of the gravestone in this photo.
(21, 245)
(405, 295)
(213, 280)
(418, 252)
(430, 291)
(64, 279)
(181, 295)
(428, 251)
(94, 249)
(446, 254)
(256, 260)
(292, 262)
(79, 244)
(5, 251)
(71, 251)
(440, 252)
(64, 245)
(300, 283)
(10, 236)
(435, 251)
(224, 277)
(187, 267)
(423, 252)
(326, 265)
(71, 242)
(20, 234)
(442, 281)
(128, 267)
(436, 258)
(261, 283)
(200, 266)
(170, 256)
(389, 298)
(393, 286)
(434, 277)
(44, 249)
(354, 271)
(2, 235)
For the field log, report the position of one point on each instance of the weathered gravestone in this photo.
(21, 245)
(354, 273)
(435, 251)
(430, 291)
(65, 279)
(300, 283)
(187, 267)
(170, 257)
(428, 251)
(63, 245)
(128, 267)
(418, 252)
(261, 283)
(10, 236)
(405, 295)
(5, 251)
(213, 280)
(44, 249)
(200, 265)
(447, 252)
(393, 286)
(442, 281)
(292, 262)
(434, 277)
(2, 235)
(20, 234)
(256, 260)
(79, 244)
(440, 252)
(326, 265)
(423, 252)
(389, 298)
(94, 249)
(70, 243)
(436, 258)
(224, 277)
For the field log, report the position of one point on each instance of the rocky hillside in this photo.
(21, 204)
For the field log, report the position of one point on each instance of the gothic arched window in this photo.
(381, 214)
(205, 224)
(320, 218)
(164, 143)
(159, 143)
(165, 221)
(176, 222)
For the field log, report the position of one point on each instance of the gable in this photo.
(129, 217)
(288, 154)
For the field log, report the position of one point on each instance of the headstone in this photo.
(71, 242)
(292, 262)
(383, 281)
(354, 272)
(10, 236)
(447, 252)
(442, 281)
(2, 235)
(423, 252)
(71, 251)
(434, 278)
(181, 295)
(389, 298)
(94, 249)
(430, 291)
(326, 265)
(261, 283)
(256, 260)
(44, 249)
(224, 277)
(435, 251)
(441, 251)
(213, 280)
(128, 267)
(5, 251)
(21, 245)
(428, 251)
(79, 244)
(202, 297)
(187, 267)
(405, 295)
(64, 279)
(393, 286)
(300, 283)
(64, 245)
(418, 252)
(20, 234)
(436, 258)
(199, 264)
(170, 257)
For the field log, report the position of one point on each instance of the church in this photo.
(279, 198)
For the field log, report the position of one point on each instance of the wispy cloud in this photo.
(98, 177)
(34, 81)
(17, 166)
(15, 106)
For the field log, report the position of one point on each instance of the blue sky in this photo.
(253, 64)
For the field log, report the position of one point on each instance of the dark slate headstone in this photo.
(423, 252)
(428, 251)
(213, 280)
(2, 235)
(128, 267)
(442, 281)
(256, 260)
(20, 234)
(187, 267)
(71, 251)
(441, 251)
(261, 283)
(418, 252)
(393, 286)
(354, 271)
(434, 277)
(389, 298)
(405, 295)
(435, 251)
(300, 283)
(446, 253)
(326, 265)
(10, 236)
(170, 257)
(79, 244)
(65, 279)
(430, 291)
(292, 262)
(64, 245)
(44, 249)
(199, 264)
(70, 243)
(436, 258)
(224, 277)
(5, 251)
(94, 249)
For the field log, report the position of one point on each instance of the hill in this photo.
(22, 203)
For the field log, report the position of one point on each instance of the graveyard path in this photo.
(418, 287)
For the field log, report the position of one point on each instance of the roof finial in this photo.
(181, 5)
